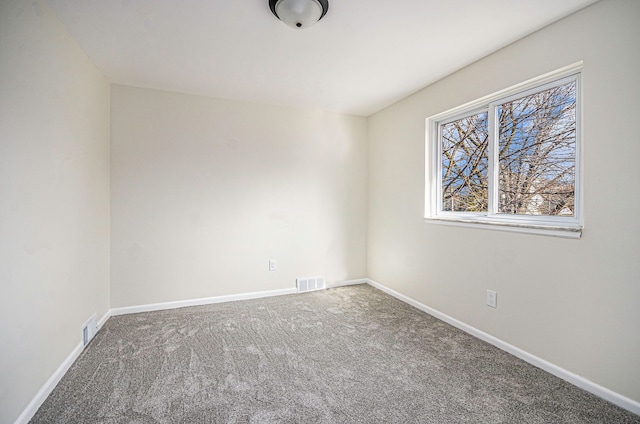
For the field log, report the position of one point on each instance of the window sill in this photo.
(572, 232)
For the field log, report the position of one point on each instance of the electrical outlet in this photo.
(273, 264)
(492, 298)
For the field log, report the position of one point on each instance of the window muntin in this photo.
(532, 163)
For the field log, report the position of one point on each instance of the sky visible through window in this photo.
(537, 153)
(465, 164)
(536, 156)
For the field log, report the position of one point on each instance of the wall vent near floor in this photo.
(89, 329)
(310, 284)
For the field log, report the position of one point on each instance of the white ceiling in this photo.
(361, 57)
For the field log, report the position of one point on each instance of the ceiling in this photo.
(361, 57)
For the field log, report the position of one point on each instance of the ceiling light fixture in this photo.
(299, 13)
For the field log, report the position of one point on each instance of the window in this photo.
(511, 160)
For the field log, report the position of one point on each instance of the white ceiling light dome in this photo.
(299, 13)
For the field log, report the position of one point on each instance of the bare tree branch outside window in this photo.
(537, 153)
(464, 164)
(536, 157)
(510, 160)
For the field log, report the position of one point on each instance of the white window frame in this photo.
(560, 226)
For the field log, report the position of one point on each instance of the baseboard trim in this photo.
(199, 302)
(55, 378)
(347, 283)
(219, 299)
(104, 319)
(581, 382)
(48, 387)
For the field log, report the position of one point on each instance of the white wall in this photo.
(575, 303)
(204, 191)
(54, 186)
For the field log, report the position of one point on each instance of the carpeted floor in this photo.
(346, 355)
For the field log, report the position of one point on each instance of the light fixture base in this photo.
(299, 13)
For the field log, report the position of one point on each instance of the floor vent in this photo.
(310, 284)
(89, 329)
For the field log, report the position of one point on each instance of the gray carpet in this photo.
(346, 355)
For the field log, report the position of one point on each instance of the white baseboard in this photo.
(48, 387)
(104, 319)
(199, 302)
(581, 382)
(53, 381)
(347, 283)
(219, 299)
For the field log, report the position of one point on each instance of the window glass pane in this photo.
(537, 153)
(464, 164)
